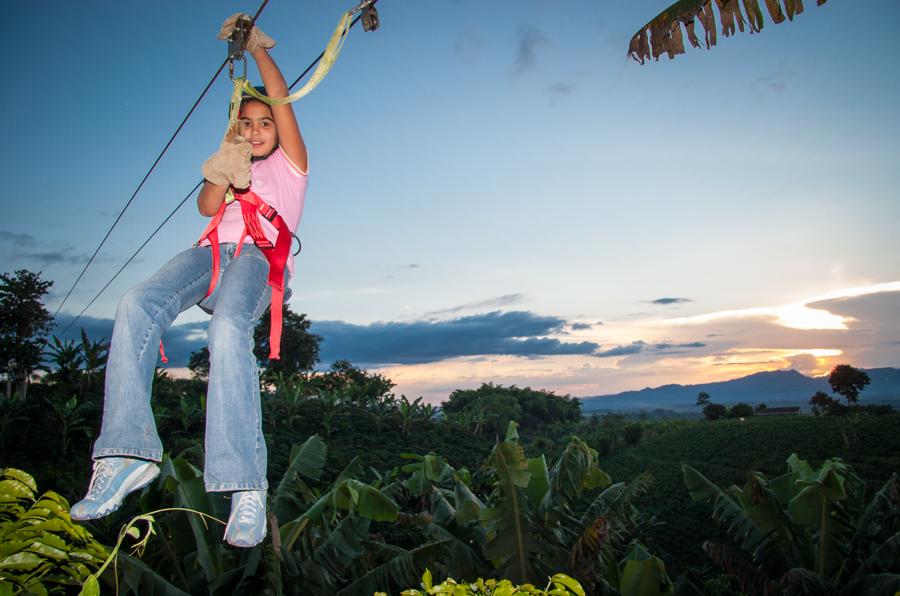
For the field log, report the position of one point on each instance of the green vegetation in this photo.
(41, 549)
(24, 324)
(370, 489)
(805, 531)
(727, 452)
(559, 585)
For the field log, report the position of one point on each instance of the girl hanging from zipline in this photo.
(240, 265)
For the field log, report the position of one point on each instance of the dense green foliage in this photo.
(490, 408)
(41, 549)
(805, 531)
(401, 487)
(727, 451)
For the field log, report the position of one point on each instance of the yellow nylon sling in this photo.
(243, 87)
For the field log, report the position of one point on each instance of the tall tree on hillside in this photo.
(24, 323)
(848, 381)
(702, 398)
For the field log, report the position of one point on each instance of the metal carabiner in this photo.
(231, 60)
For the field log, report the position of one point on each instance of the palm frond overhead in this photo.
(663, 35)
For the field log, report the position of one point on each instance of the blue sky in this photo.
(496, 192)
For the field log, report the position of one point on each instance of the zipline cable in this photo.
(184, 200)
(150, 171)
(133, 255)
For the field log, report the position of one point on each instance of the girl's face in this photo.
(257, 126)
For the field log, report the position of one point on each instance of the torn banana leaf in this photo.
(663, 35)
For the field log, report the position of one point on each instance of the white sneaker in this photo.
(113, 479)
(247, 522)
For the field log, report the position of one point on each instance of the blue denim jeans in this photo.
(235, 447)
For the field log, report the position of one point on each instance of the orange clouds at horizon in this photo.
(708, 347)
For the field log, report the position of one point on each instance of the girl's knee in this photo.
(135, 300)
(228, 330)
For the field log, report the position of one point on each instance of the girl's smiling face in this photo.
(257, 126)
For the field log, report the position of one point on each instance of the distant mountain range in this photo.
(776, 388)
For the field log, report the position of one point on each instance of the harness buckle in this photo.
(270, 213)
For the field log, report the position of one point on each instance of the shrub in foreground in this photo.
(559, 585)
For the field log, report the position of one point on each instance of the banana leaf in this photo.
(727, 512)
(664, 35)
(185, 482)
(511, 543)
(644, 575)
(615, 502)
(292, 494)
(402, 567)
(138, 578)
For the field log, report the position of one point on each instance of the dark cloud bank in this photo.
(641, 347)
(514, 333)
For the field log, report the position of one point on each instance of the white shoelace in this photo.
(248, 507)
(102, 476)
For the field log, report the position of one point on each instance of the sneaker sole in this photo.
(242, 543)
(142, 477)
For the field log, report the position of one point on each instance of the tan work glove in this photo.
(257, 38)
(231, 163)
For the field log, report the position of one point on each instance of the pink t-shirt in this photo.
(281, 184)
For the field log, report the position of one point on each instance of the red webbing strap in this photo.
(275, 323)
(162, 353)
(212, 233)
(277, 256)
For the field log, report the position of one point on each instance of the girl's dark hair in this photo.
(247, 98)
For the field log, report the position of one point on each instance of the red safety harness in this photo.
(276, 254)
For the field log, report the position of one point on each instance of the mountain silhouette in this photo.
(774, 388)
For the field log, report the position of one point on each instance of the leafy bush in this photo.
(714, 411)
(492, 407)
(41, 550)
(559, 585)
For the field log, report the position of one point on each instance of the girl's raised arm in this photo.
(289, 137)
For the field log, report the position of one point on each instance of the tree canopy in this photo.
(848, 381)
(496, 405)
(24, 322)
(299, 347)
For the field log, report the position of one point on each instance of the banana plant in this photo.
(320, 541)
(663, 35)
(538, 520)
(69, 417)
(66, 362)
(95, 354)
(808, 531)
